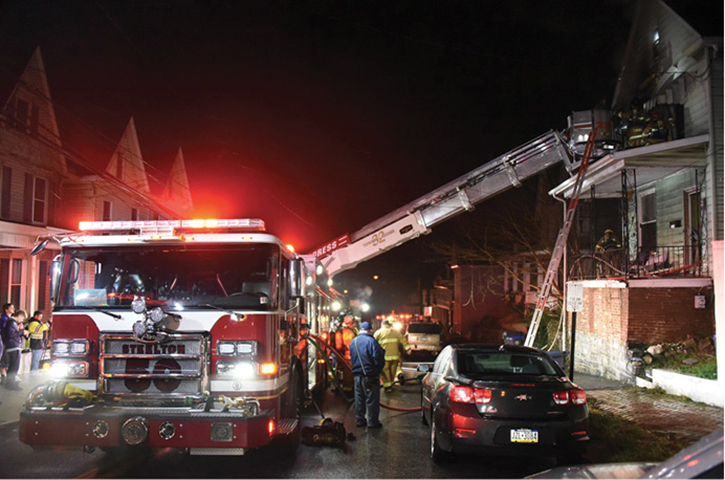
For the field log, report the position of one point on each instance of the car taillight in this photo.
(562, 397)
(578, 397)
(465, 394)
(461, 394)
(482, 395)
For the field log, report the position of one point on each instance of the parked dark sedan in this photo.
(502, 400)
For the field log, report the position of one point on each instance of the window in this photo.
(106, 211)
(16, 280)
(40, 200)
(7, 182)
(134, 214)
(648, 219)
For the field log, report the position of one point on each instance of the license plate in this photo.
(524, 435)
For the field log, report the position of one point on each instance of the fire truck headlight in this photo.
(61, 348)
(236, 369)
(79, 348)
(67, 347)
(236, 348)
(69, 370)
(138, 305)
(157, 314)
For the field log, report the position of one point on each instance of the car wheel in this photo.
(423, 420)
(437, 454)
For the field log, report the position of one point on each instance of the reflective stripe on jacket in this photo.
(391, 340)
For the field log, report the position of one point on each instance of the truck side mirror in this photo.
(297, 278)
(55, 271)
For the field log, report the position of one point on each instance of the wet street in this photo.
(398, 450)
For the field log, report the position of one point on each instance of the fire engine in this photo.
(182, 334)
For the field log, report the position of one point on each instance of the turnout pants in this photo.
(390, 370)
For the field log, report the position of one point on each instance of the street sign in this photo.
(574, 297)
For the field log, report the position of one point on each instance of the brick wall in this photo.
(613, 318)
(668, 314)
(601, 339)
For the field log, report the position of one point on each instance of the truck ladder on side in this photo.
(417, 217)
(561, 240)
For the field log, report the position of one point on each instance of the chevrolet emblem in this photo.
(523, 397)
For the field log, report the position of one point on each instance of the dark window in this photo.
(504, 363)
(7, 182)
(119, 166)
(39, 200)
(134, 214)
(106, 211)
(648, 220)
(16, 279)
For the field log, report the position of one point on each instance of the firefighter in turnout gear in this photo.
(393, 342)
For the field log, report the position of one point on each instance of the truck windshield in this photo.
(173, 277)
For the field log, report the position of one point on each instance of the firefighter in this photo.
(343, 337)
(392, 342)
(37, 328)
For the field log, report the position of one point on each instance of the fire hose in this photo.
(314, 339)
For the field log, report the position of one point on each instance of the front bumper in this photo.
(100, 426)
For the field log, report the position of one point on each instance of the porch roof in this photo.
(652, 163)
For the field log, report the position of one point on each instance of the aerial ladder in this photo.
(457, 196)
(561, 241)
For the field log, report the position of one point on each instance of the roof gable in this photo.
(127, 163)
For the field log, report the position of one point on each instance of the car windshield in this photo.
(427, 328)
(475, 364)
(225, 276)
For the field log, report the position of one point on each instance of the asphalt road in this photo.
(398, 450)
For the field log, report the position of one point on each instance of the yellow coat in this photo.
(391, 340)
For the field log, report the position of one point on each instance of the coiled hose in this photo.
(314, 339)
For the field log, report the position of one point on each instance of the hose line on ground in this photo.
(314, 339)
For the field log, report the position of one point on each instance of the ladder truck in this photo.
(460, 195)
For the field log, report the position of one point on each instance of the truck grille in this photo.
(134, 368)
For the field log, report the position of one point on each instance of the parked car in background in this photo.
(502, 400)
(425, 339)
(702, 459)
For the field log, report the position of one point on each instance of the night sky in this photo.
(317, 116)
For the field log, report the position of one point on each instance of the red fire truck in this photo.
(179, 334)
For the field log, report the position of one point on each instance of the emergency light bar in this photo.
(151, 227)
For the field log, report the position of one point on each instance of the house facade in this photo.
(660, 280)
(46, 190)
